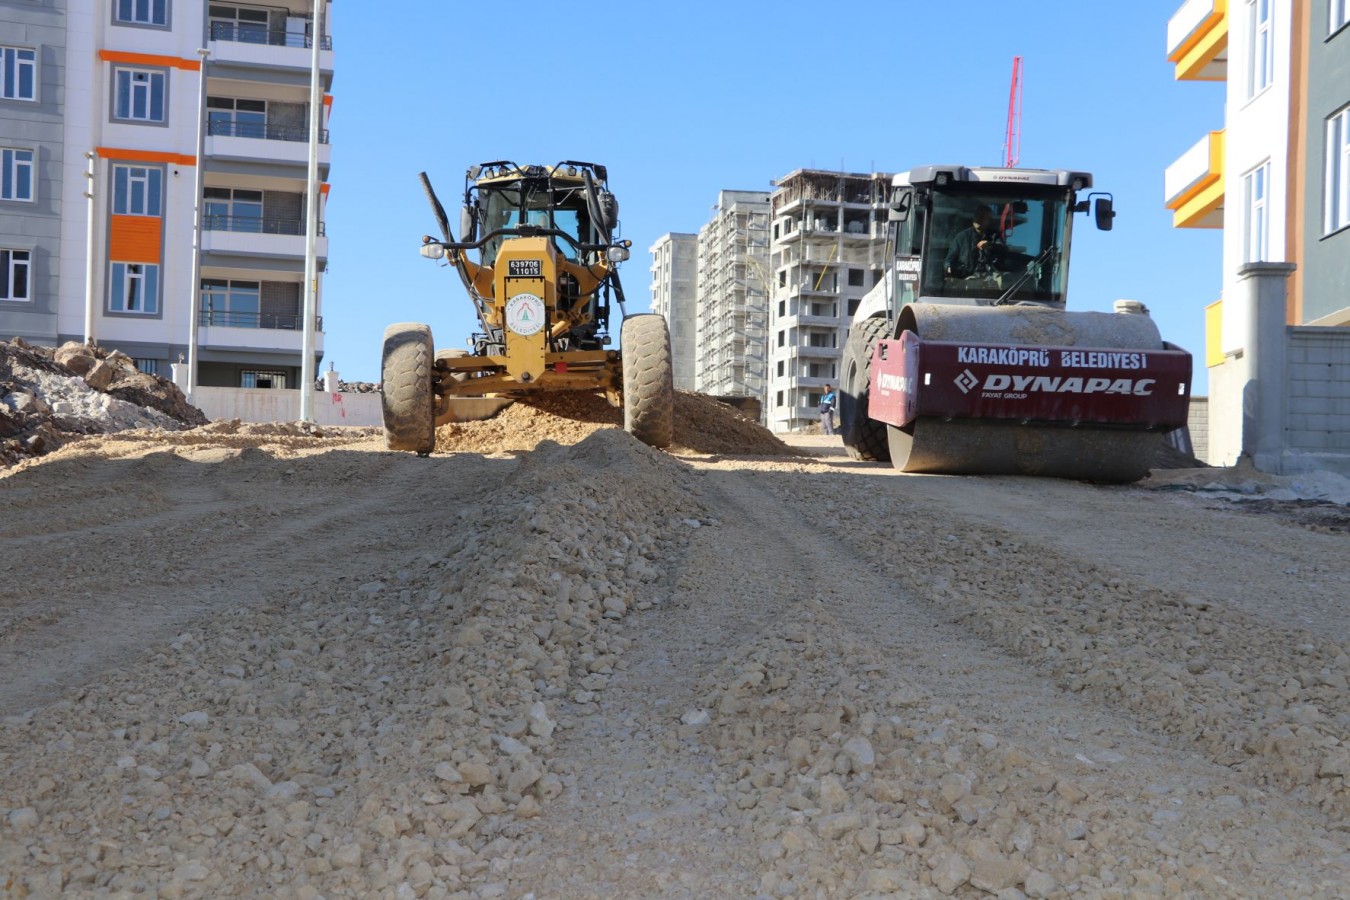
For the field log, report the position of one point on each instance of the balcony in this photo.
(250, 47)
(238, 331)
(1193, 185)
(1197, 40)
(266, 236)
(285, 144)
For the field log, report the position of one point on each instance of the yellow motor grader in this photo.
(542, 285)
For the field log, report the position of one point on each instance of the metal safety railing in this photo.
(256, 224)
(263, 131)
(245, 33)
(226, 318)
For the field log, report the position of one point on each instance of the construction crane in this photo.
(1012, 136)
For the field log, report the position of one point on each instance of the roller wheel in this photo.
(406, 396)
(864, 438)
(648, 380)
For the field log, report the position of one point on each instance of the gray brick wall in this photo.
(1197, 422)
(1318, 412)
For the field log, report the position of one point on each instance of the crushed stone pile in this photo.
(702, 426)
(48, 396)
(393, 745)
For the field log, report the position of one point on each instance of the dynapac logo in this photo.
(1045, 384)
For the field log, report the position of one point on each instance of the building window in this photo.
(16, 179)
(780, 368)
(1337, 199)
(235, 209)
(142, 12)
(137, 191)
(14, 274)
(236, 118)
(236, 304)
(855, 277)
(780, 338)
(779, 399)
(148, 366)
(134, 288)
(235, 23)
(1340, 14)
(254, 379)
(1260, 47)
(1256, 239)
(140, 95)
(18, 73)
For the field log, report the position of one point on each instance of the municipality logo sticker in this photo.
(966, 380)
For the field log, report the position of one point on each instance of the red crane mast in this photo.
(1012, 137)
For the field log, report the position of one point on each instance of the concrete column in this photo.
(1263, 396)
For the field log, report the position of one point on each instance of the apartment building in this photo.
(135, 96)
(827, 250)
(1275, 177)
(732, 297)
(674, 290)
(32, 148)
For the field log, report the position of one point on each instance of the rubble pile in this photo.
(47, 397)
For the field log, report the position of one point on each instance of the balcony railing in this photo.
(254, 34)
(275, 321)
(264, 131)
(256, 225)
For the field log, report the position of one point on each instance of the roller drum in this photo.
(975, 447)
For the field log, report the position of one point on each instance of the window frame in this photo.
(151, 6)
(1338, 15)
(152, 178)
(7, 52)
(10, 266)
(158, 77)
(1260, 45)
(1256, 214)
(11, 166)
(121, 279)
(1336, 176)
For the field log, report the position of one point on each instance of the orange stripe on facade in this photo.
(135, 239)
(149, 59)
(156, 156)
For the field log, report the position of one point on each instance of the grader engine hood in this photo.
(1146, 390)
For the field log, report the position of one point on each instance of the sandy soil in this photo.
(551, 662)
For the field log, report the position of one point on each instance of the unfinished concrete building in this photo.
(675, 295)
(827, 250)
(732, 320)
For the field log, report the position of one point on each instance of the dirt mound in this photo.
(48, 396)
(702, 426)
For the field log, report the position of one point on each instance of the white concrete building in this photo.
(732, 317)
(1276, 179)
(144, 108)
(827, 251)
(674, 290)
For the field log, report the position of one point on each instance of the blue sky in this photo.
(683, 99)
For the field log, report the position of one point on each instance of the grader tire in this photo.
(864, 438)
(648, 380)
(407, 400)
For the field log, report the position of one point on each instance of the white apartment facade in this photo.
(674, 288)
(827, 250)
(731, 321)
(1276, 179)
(153, 91)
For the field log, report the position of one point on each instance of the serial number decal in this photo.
(524, 268)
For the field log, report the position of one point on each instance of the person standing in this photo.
(827, 401)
